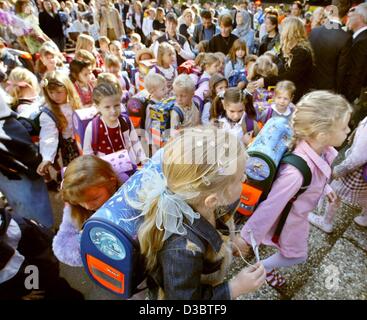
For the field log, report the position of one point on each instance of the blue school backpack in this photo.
(109, 242)
(266, 153)
(237, 76)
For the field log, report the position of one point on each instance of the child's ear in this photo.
(211, 201)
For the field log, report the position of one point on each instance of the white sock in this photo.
(277, 260)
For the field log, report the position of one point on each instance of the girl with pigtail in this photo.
(186, 255)
(234, 111)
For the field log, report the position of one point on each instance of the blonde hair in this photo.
(293, 34)
(82, 173)
(163, 48)
(105, 89)
(112, 61)
(103, 39)
(83, 42)
(201, 178)
(48, 48)
(209, 59)
(153, 81)
(85, 56)
(184, 82)
(52, 81)
(18, 75)
(263, 67)
(317, 112)
(135, 36)
(287, 86)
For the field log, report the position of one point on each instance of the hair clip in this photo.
(220, 94)
(44, 83)
(206, 181)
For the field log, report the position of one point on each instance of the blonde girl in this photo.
(115, 130)
(113, 65)
(316, 131)
(264, 67)
(217, 85)
(88, 183)
(210, 66)
(56, 121)
(83, 79)
(236, 58)
(86, 42)
(50, 59)
(233, 111)
(282, 105)
(166, 58)
(22, 85)
(296, 58)
(116, 50)
(178, 236)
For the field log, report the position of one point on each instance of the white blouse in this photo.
(49, 134)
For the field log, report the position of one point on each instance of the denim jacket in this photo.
(193, 266)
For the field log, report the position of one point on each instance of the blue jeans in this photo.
(28, 198)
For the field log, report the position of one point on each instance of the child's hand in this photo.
(43, 167)
(247, 137)
(240, 246)
(248, 280)
(332, 197)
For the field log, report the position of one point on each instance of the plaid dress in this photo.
(351, 187)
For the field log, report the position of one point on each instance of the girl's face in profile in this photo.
(221, 87)
(169, 58)
(49, 60)
(95, 197)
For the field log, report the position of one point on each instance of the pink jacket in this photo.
(294, 237)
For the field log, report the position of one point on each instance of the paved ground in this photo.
(336, 267)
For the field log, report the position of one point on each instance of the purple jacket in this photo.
(66, 243)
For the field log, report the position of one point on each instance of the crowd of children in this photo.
(67, 120)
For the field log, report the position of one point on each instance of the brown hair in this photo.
(232, 95)
(225, 20)
(237, 45)
(76, 67)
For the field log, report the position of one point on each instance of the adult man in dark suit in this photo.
(205, 30)
(356, 78)
(331, 46)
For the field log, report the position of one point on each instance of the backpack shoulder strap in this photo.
(95, 127)
(126, 118)
(247, 124)
(302, 166)
(201, 81)
(49, 112)
(179, 112)
(269, 113)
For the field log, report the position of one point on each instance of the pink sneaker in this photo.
(319, 222)
(361, 220)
